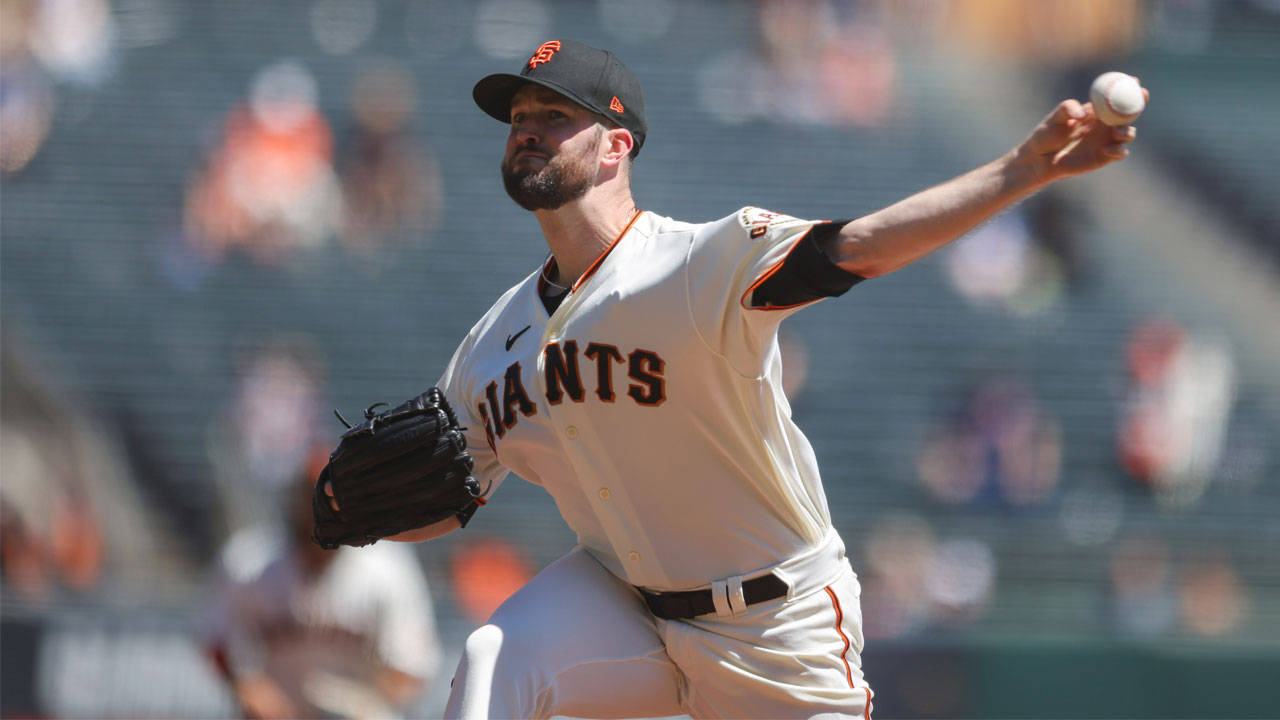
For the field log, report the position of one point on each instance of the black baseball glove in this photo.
(401, 469)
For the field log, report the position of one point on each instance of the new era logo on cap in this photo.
(588, 76)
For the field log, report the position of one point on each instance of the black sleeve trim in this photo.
(806, 273)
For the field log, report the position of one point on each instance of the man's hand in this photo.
(422, 534)
(1072, 140)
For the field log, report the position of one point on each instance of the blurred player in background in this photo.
(301, 632)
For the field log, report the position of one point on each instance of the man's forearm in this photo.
(429, 532)
(911, 228)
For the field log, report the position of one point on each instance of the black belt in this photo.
(692, 603)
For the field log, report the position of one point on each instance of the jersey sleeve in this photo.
(751, 270)
(487, 470)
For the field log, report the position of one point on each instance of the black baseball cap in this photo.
(592, 78)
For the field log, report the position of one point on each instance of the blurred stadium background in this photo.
(1053, 448)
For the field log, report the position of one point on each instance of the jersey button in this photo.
(634, 556)
(571, 431)
(605, 494)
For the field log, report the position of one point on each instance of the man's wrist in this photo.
(1026, 171)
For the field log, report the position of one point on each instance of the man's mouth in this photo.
(530, 154)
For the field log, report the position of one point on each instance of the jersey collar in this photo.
(550, 265)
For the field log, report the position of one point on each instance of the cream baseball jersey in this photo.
(649, 403)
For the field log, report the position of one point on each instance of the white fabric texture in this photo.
(577, 641)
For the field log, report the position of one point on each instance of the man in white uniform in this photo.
(636, 377)
(301, 632)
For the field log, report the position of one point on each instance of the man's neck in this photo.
(578, 232)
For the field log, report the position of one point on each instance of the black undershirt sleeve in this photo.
(807, 274)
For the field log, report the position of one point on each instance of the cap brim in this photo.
(494, 92)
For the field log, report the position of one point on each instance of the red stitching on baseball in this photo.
(1106, 95)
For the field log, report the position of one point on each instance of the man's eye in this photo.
(517, 118)
(556, 115)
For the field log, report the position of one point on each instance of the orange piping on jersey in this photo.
(770, 273)
(596, 265)
(547, 267)
(835, 602)
(866, 714)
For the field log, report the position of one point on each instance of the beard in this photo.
(561, 179)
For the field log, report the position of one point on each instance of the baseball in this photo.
(1117, 98)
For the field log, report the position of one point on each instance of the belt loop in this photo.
(720, 596)
(737, 602)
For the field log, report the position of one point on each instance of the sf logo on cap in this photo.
(544, 53)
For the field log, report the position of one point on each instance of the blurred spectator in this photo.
(820, 63)
(961, 580)
(1213, 601)
(1002, 446)
(26, 112)
(391, 187)
(51, 534)
(1141, 601)
(298, 631)
(911, 581)
(898, 551)
(23, 558)
(74, 39)
(1179, 397)
(268, 186)
(26, 95)
(485, 572)
(1018, 262)
(51, 538)
(269, 427)
(837, 59)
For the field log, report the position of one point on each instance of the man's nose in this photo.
(527, 135)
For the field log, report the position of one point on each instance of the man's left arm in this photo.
(1069, 141)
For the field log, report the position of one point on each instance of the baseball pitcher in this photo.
(636, 377)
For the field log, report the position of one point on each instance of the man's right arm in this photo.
(1070, 141)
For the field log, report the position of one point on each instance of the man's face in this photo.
(553, 150)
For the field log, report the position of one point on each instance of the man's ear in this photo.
(618, 143)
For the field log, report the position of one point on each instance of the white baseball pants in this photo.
(578, 641)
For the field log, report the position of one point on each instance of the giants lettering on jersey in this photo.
(574, 373)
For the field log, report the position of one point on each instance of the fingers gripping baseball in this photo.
(1072, 140)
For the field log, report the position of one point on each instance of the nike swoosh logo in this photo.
(511, 339)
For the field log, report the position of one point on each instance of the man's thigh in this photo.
(574, 641)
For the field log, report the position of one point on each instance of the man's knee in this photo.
(484, 645)
(497, 677)
(514, 653)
